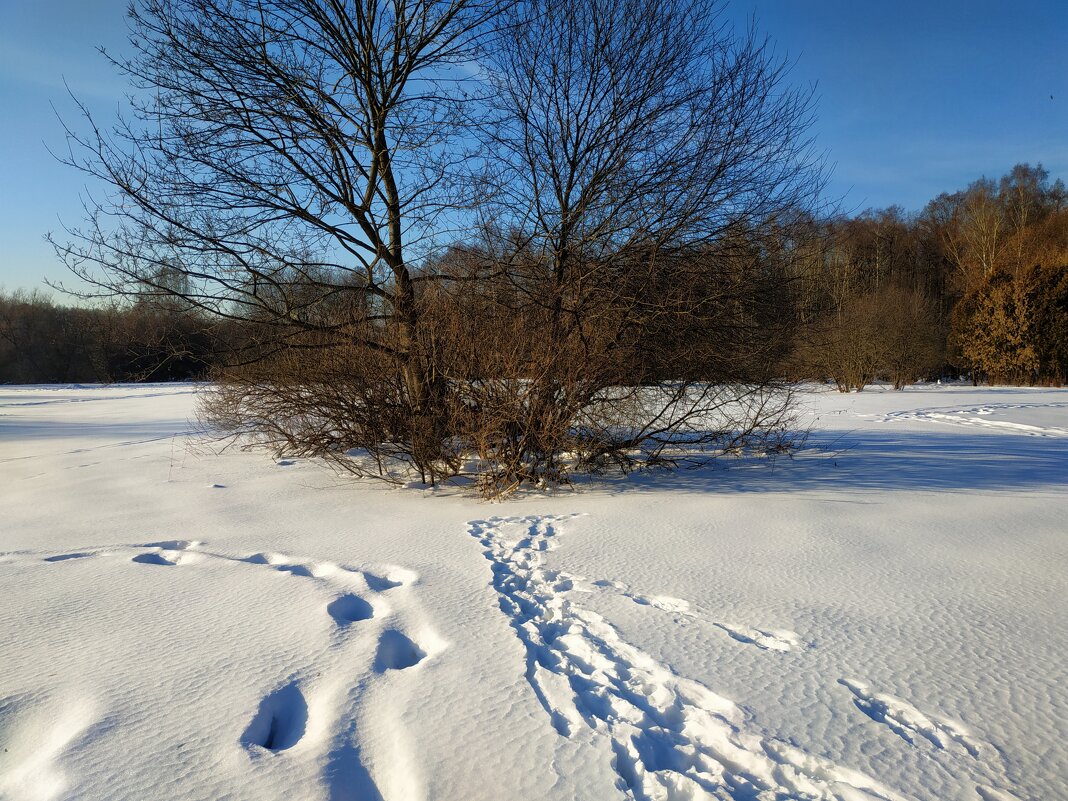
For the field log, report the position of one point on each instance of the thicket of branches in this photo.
(505, 238)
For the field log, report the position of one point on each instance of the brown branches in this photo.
(513, 238)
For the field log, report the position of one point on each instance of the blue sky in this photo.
(915, 98)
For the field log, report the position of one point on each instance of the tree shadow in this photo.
(878, 461)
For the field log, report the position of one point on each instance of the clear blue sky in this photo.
(915, 98)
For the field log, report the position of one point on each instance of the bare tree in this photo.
(283, 154)
(610, 171)
(642, 151)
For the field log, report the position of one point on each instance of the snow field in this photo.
(880, 617)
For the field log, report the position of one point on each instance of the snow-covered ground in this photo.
(881, 617)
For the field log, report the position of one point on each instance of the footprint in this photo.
(296, 570)
(348, 609)
(279, 562)
(280, 721)
(663, 602)
(992, 794)
(36, 733)
(396, 652)
(265, 558)
(394, 577)
(347, 777)
(780, 640)
(907, 722)
(380, 583)
(64, 557)
(153, 559)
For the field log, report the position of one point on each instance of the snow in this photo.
(879, 617)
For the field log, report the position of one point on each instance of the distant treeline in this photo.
(975, 284)
(44, 342)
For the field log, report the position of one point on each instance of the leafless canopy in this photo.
(507, 238)
(280, 154)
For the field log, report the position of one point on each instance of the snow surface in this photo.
(880, 617)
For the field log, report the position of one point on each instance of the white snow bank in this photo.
(880, 617)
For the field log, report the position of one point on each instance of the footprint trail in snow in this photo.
(987, 416)
(768, 640)
(314, 716)
(909, 723)
(673, 738)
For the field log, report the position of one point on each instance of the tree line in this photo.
(975, 284)
(45, 342)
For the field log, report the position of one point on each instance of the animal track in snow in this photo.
(296, 570)
(774, 640)
(169, 553)
(263, 559)
(154, 559)
(781, 640)
(171, 545)
(167, 558)
(397, 652)
(347, 777)
(980, 416)
(380, 584)
(278, 561)
(909, 723)
(280, 721)
(63, 557)
(991, 794)
(672, 737)
(392, 578)
(395, 638)
(295, 567)
(349, 608)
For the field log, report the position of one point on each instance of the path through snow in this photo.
(311, 715)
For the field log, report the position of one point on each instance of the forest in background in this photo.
(974, 285)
